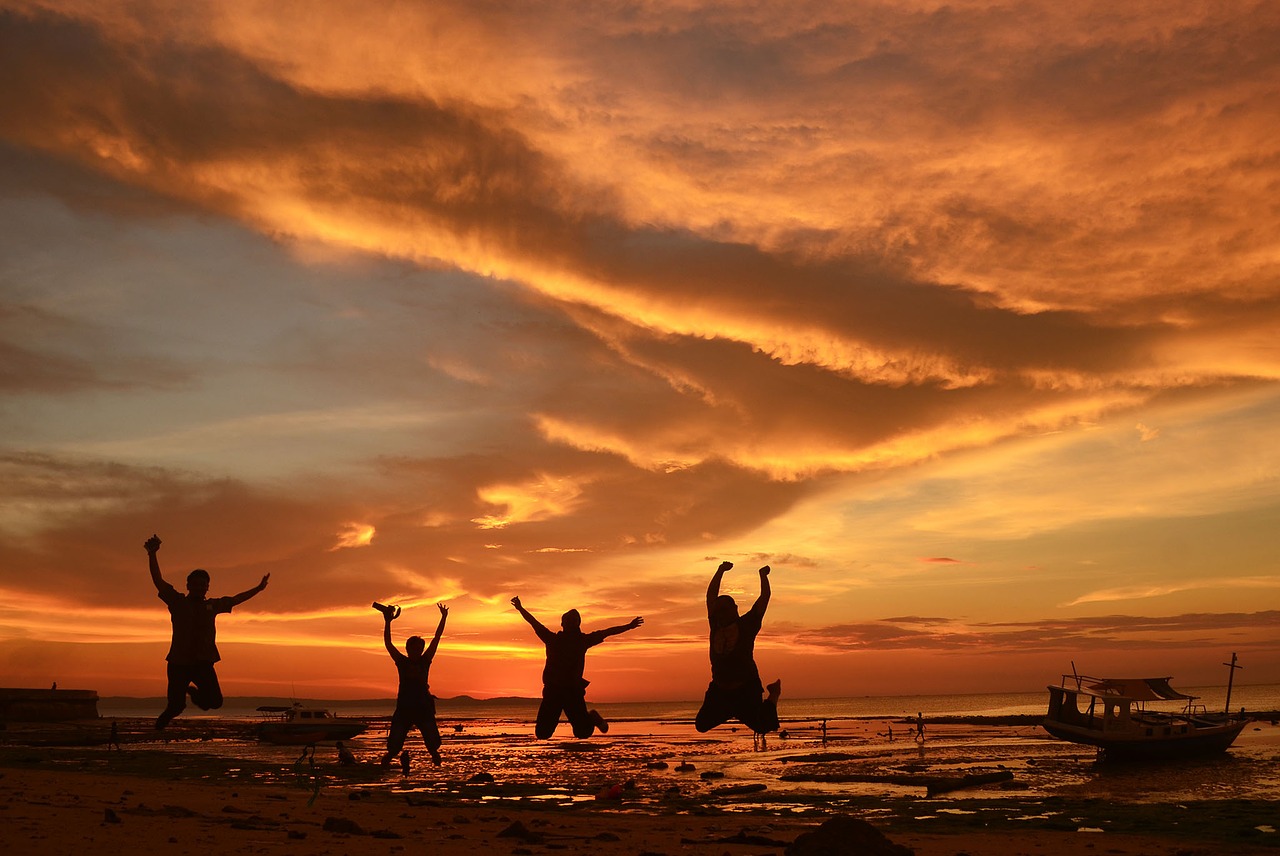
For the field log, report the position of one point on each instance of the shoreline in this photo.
(192, 793)
(60, 810)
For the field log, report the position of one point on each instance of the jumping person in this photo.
(735, 689)
(563, 688)
(192, 651)
(415, 707)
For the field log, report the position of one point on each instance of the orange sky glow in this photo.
(964, 318)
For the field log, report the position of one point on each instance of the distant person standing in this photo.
(563, 688)
(735, 688)
(415, 707)
(192, 651)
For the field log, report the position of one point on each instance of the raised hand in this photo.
(152, 544)
(263, 584)
(635, 622)
(515, 601)
(724, 566)
(444, 610)
(764, 572)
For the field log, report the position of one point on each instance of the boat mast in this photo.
(1231, 675)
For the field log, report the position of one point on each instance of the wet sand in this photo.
(201, 794)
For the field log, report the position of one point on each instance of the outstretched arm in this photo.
(152, 546)
(762, 602)
(388, 617)
(543, 633)
(248, 593)
(435, 640)
(713, 590)
(623, 628)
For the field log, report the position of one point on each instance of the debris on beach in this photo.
(342, 826)
(522, 832)
(947, 785)
(739, 790)
(740, 837)
(610, 792)
(843, 835)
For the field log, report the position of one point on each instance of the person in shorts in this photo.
(193, 650)
(415, 706)
(735, 690)
(563, 688)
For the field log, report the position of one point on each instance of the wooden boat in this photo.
(1112, 714)
(298, 726)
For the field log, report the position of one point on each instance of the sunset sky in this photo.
(964, 317)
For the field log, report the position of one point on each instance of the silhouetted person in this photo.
(735, 688)
(192, 651)
(345, 757)
(563, 688)
(415, 707)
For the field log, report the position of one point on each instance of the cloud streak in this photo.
(473, 300)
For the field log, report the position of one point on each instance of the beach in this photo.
(648, 787)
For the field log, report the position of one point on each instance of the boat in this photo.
(297, 725)
(1112, 714)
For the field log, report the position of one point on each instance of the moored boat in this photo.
(298, 726)
(1112, 714)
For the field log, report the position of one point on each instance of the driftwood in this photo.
(972, 780)
(933, 785)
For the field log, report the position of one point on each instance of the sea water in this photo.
(869, 746)
(1251, 698)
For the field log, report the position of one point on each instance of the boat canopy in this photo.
(1137, 689)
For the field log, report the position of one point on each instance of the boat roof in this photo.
(1136, 689)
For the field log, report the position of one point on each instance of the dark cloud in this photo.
(1087, 633)
(44, 352)
(448, 167)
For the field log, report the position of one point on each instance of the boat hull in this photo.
(290, 734)
(1204, 740)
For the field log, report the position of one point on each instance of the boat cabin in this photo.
(1118, 705)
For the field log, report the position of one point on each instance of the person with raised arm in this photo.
(193, 649)
(563, 688)
(415, 706)
(735, 688)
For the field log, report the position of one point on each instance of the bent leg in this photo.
(207, 694)
(760, 715)
(179, 679)
(715, 710)
(396, 734)
(430, 732)
(548, 714)
(584, 724)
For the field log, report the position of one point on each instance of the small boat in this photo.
(298, 726)
(1112, 715)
